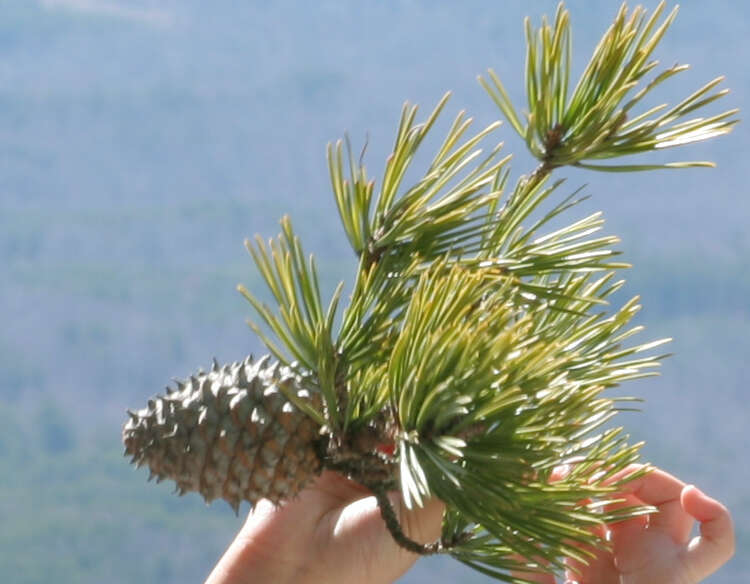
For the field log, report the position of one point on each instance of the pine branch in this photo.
(428, 214)
(596, 121)
(478, 342)
(302, 328)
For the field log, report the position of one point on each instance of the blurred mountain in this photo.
(142, 141)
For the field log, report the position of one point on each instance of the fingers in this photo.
(639, 522)
(663, 491)
(535, 577)
(337, 489)
(599, 569)
(654, 488)
(715, 545)
(532, 576)
(421, 524)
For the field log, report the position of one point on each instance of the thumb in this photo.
(708, 552)
(421, 524)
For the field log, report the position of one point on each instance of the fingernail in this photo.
(696, 489)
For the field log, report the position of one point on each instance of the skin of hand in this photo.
(333, 533)
(659, 547)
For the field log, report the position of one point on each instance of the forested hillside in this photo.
(142, 141)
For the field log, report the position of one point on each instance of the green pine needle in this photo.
(596, 119)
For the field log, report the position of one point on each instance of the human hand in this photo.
(658, 548)
(332, 532)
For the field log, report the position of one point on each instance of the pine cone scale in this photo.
(230, 433)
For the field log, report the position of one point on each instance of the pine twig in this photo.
(372, 473)
(388, 513)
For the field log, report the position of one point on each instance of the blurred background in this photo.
(141, 141)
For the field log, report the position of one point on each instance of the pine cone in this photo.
(230, 434)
